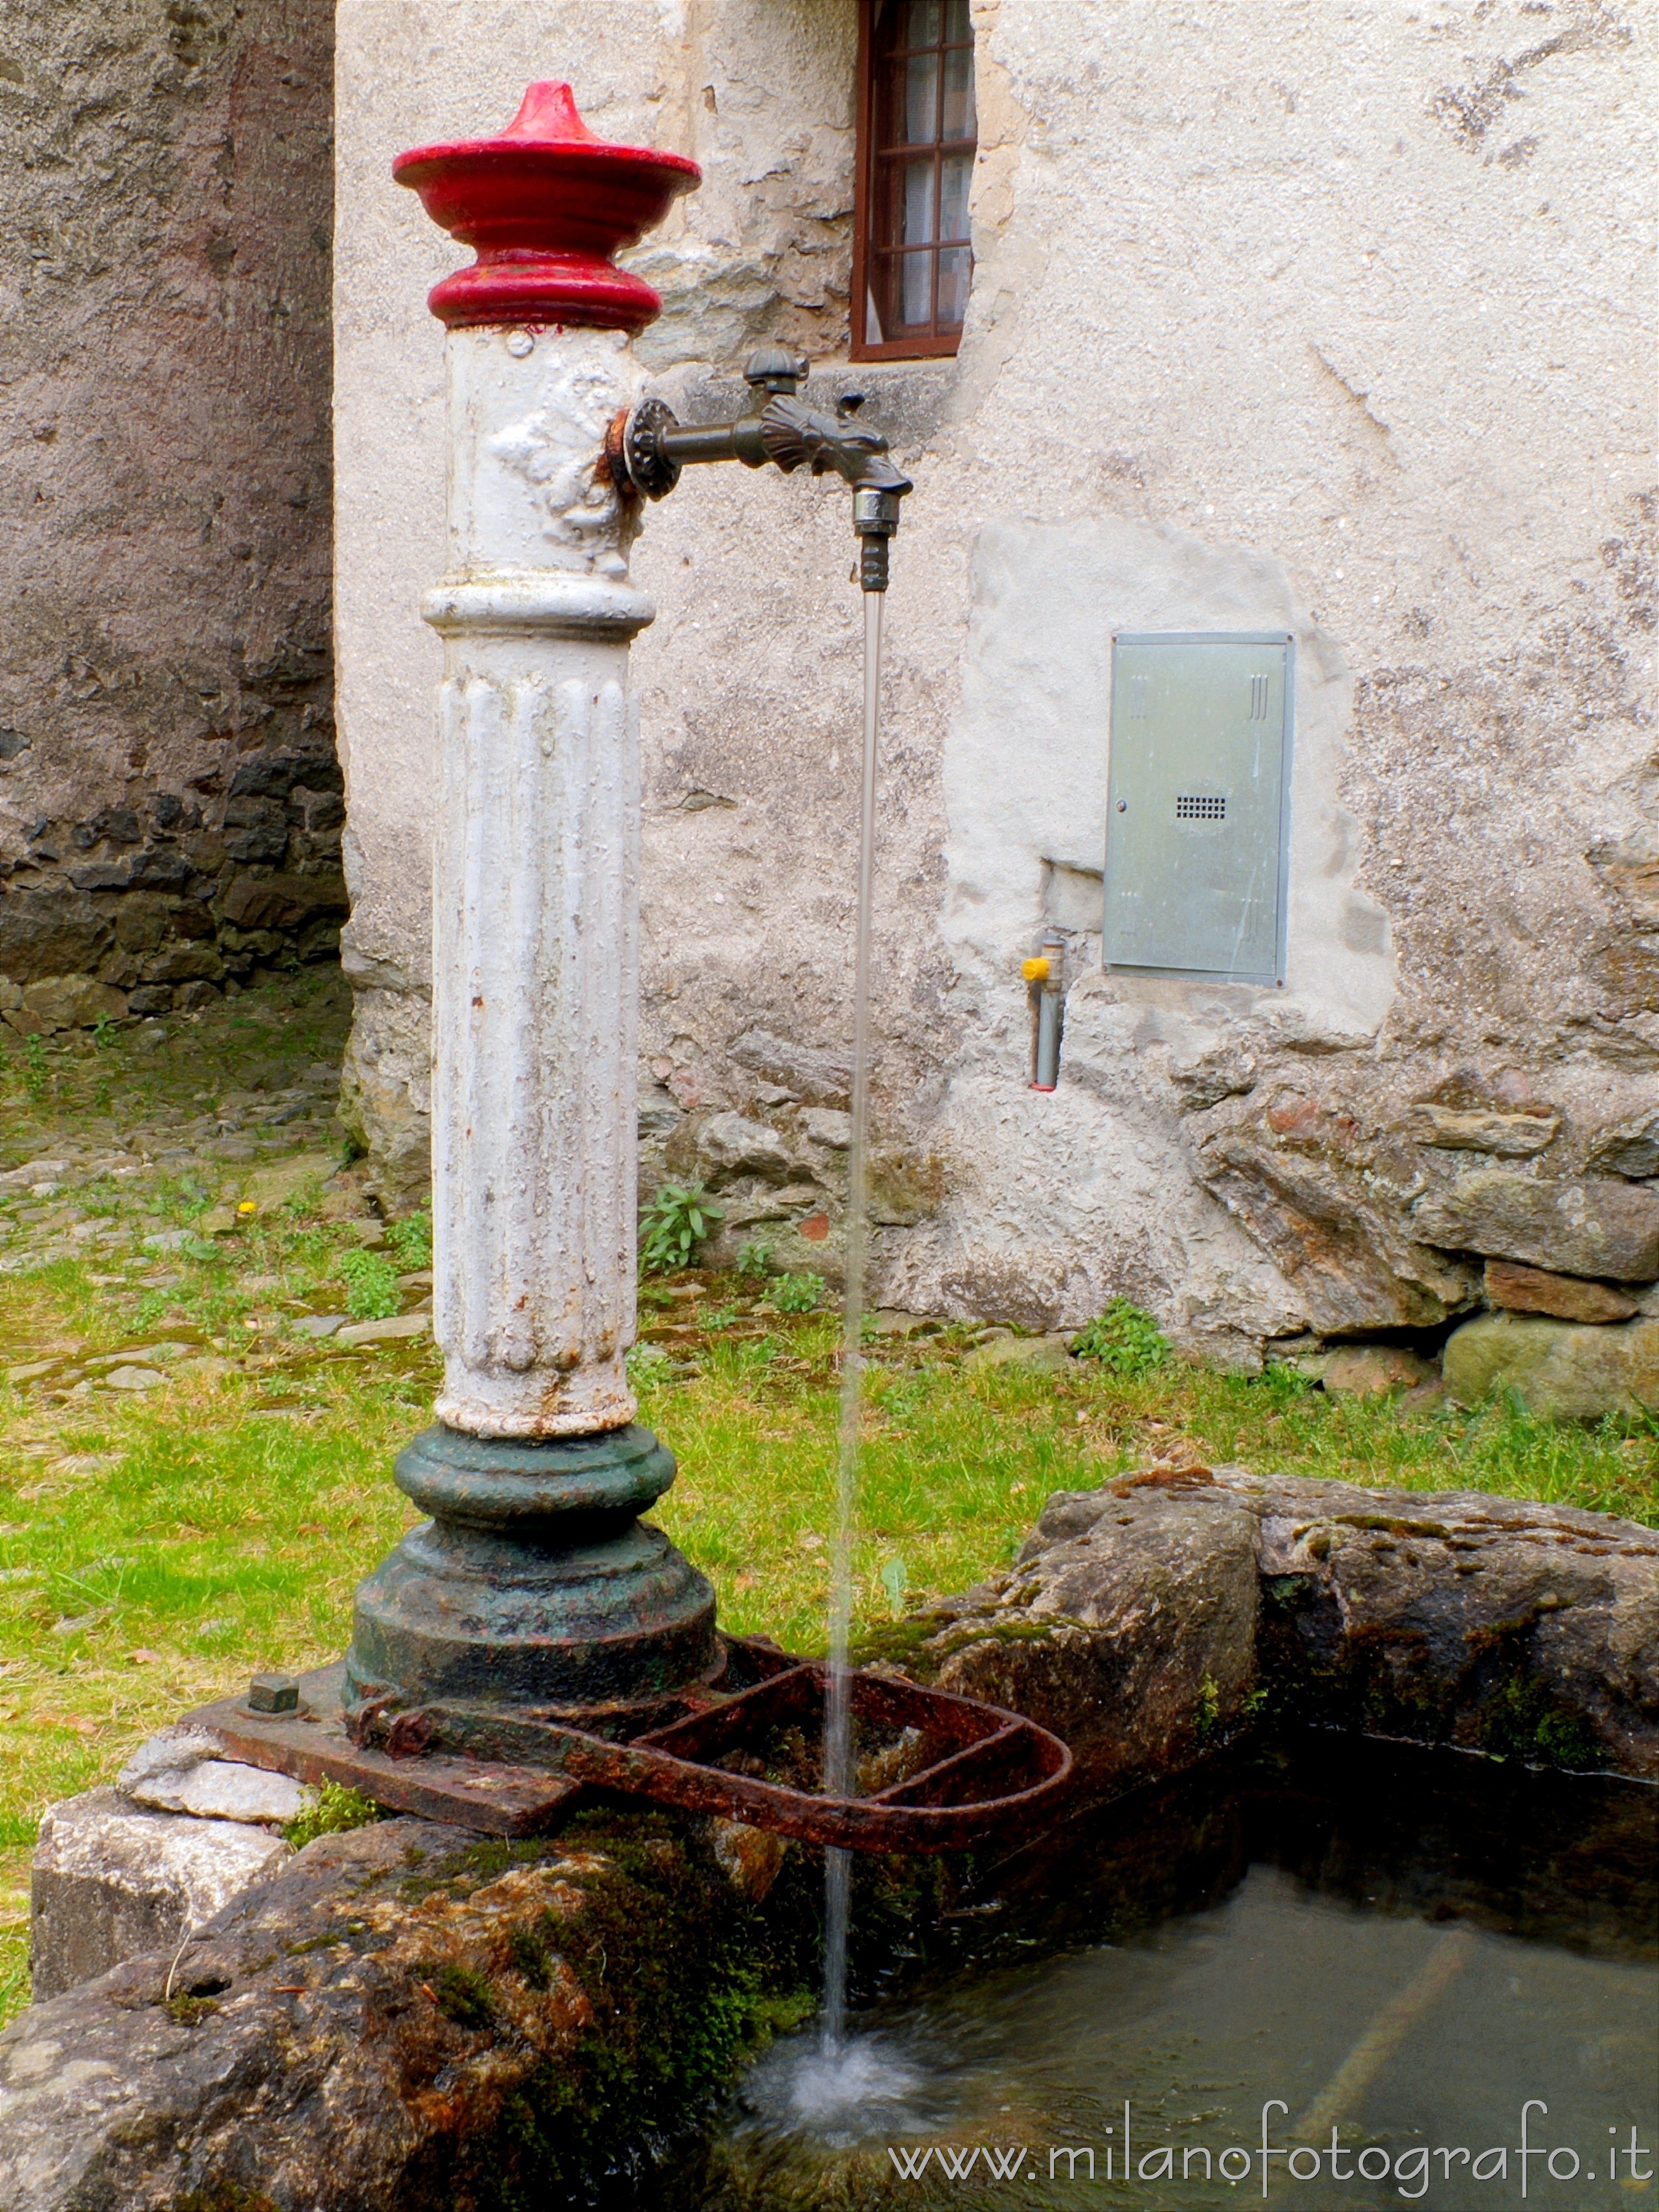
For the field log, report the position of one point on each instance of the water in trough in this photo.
(1389, 1953)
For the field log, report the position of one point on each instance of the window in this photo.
(917, 134)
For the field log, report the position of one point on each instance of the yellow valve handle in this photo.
(1034, 971)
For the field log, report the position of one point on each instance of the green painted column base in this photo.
(534, 1584)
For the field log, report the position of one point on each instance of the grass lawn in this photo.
(157, 1547)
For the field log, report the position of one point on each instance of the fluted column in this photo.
(536, 894)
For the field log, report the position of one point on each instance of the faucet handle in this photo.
(776, 370)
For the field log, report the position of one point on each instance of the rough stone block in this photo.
(1597, 1227)
(69, 1002)
(1356, 1262)
(1127, 1625)
(819, 1077)
(1559, 1369)
(112, 1882)
(291, 2057)
(283, 901)
(727, 1146)
(1521, 1289)
(1371, 1371)
(1042, 1355)
(1630, 1149)
(50, 932)
(1508, 1136)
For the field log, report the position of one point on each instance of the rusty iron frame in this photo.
(514, 1772)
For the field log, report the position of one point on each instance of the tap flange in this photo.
(638, 459)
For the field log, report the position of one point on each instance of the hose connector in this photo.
(876, 519)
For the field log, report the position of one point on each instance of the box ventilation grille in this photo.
(1200, 806)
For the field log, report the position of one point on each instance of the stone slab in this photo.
(223, 1790)
(1521, 1289)
(1507, 1136)
(392, 1330)
(1121, 1606)
(1596, 1227)
(111, 1880)
(1042, 1355)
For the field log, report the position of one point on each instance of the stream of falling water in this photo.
(838, 1732)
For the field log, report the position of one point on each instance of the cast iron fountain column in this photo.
(534, 1583)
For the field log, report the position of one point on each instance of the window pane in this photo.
(958, 30)
(919, 25)
(959, 119)
(916, 221)
(956, 171)
(954, 264)
(916, 289)
(920, 99)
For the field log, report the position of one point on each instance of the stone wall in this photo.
(169, 798)
(1285, 320)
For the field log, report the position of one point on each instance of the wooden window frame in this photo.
(931, 345)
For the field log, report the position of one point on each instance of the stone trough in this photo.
(410, 2016)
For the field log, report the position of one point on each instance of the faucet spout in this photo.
(649, 448)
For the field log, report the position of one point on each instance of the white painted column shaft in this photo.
(534, 923)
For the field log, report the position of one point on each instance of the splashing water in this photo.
(838, 1733)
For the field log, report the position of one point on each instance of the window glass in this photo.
(959, 120)
(917, 228)
(954, 176)
(921, 129)
(921, 99)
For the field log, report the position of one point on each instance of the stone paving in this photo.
(154, 1149)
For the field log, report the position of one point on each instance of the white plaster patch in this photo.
(1025, 762)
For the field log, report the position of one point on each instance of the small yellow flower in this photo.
(247, 1207)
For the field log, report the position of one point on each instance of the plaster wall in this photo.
(1325, 319)
(165, 714)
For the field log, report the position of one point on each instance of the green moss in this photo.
(674, 1974)
(1206, 1711)
(1287, 1590)
(1026, 1631)
(186, 2010)
(334, 1810)
(224, 2196)
(899, 1643)
(1526, 1720)
(531, 1952)
(462, 1996)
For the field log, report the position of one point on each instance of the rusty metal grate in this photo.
(948, 1771)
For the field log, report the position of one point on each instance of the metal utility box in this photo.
(1198, 804)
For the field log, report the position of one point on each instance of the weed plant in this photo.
(674, 1226)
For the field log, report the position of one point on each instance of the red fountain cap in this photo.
(546, 205)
